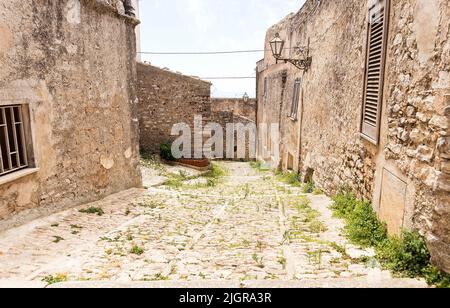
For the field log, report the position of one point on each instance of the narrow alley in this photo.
(233, 226)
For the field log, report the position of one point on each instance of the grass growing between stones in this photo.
(136, 250)
(93, 210)
(259, 166)
(294, 179)
(213, 178)
(57, 239)
(290, 178)
(52, 279)
(407, 256)
(309, 187)
(152, 162)
(258, 260)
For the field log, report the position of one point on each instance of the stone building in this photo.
(68, 124)
(372, 113)
(237, 106)
(167, 98)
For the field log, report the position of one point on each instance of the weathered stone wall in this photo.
(238, 112)
(165, 99)
(406, 175)
(237, 106)
(73, 63)
(417, 115)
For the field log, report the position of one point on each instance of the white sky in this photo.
(211, 25)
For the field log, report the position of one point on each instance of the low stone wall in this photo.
(165, 99)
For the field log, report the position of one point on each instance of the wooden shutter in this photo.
(374, 74)
(295, 99)
(265, 90)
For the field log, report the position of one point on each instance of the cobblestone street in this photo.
(246, 229)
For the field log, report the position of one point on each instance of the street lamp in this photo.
(277, 45)
(246, 97)
(302, 59)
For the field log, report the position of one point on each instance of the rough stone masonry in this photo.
(70, 65)
(168, 98)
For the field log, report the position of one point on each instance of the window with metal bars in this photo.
(13, 153)
(295, 100)
(375, 67)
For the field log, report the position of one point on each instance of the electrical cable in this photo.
(201, 52)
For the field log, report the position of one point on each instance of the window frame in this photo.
(296, 99)
(24, 151)
(266, 85)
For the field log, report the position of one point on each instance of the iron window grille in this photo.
(13, 153)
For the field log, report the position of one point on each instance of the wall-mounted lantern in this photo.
(246, 97)
(302, 59)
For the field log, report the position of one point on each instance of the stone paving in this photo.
(247, 228)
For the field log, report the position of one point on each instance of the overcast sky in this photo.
(211, 25)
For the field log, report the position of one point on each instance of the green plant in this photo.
(363, 226)
(165, 151)
(136, 250)
(291, 178)
(283, 262)
(157, 277)
(256, 165)
(309, 187)
(259, 166)
(310, 215)
(246, 191)
(260, 245)
(344, 204)
(174, 183)
(340, 249)
(52, 279)
(93, 210)
(58, 239)
(315, 257)
(407, 256)
(258, 260)
(435, 277)
(317, 192)
(303, 203)
(215, 172)
(317, 227)
(211, 182)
